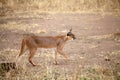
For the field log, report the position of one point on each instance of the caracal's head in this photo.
(70, 35)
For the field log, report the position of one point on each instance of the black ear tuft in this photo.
(71, 30)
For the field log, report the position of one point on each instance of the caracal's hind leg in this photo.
(32, 46)
(32, 53)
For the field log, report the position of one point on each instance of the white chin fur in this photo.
(71, 39)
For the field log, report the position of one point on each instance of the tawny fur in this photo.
(33, 42)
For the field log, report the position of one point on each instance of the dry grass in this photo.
(50, 72)
(112, 36)
(15, 26)
(61, 6)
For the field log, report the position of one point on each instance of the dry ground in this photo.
(94, 55)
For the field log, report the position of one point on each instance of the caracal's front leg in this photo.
(59, 50)
(56, 57)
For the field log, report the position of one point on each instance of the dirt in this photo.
(91, 47)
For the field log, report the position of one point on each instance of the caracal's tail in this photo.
(22, 50)
(22, 47)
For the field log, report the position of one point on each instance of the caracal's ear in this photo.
(71, 30)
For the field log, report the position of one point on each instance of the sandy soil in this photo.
(95, 46)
